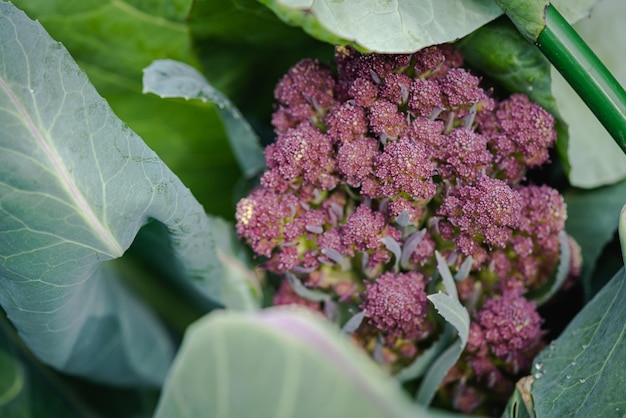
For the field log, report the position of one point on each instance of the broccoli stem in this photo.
(584, 71)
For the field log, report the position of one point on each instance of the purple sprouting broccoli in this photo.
(381, 164)
(484, 213)
(521, 133)
(304, 94)
(397, 305)
(510, 328)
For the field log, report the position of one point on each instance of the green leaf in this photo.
(595, 158)
(245, 49)
(456, 315)
(622, 232)
(172, 79)
(76, 185)
(281, 362)
(528, 16)
(499, 51)
(28, 389)
(582, 372)
(113, 41)
(402, 26)
(592, 221)
(11, 379)
(241, 288)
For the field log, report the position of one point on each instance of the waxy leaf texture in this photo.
(581, 374)
(397, 26)
(76, 186)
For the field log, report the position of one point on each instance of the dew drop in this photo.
(585, 346)
(573, 363)
(582, 380)
(538, 366)
(538, 375)
(568, 377)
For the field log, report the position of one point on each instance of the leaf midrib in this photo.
(111, 246)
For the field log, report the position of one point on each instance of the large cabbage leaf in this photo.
(397, 25)
(281, 362)
(76, 186)
(582, 373)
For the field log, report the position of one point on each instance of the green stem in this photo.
(582, 69)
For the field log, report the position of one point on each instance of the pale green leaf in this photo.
(528, 16)
(76, 185)
(456, 315)
(279, 363)
(401, 25)
(173, 79)
(581, 374)
(241, 288)
(594, 156)
(453, 312)
(113, 41)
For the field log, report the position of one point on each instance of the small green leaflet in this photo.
(450, 308)
(173, 79)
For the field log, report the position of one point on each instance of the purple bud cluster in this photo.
(379, 165)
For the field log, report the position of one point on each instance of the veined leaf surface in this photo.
(76, 185)
(400, 25)
(581, 374)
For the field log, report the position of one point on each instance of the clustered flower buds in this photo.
(378, 166)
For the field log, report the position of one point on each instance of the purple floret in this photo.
(355, 159)
(364, 229)
(465, 155)
(543, 215)
(386, 120)
(346, 122)
(396, 88)
(405, 167)
(363, 91)
(397, 304)
(521, 134)
(485, 212)
(303, 154)
(261, 217)
(460, 89)
(512, 328)
(307, 82)
(305, 93)
(425, 97)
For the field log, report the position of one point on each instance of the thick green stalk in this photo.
(582, 69)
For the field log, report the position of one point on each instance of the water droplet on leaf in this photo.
(538, 366)
(582, 380)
